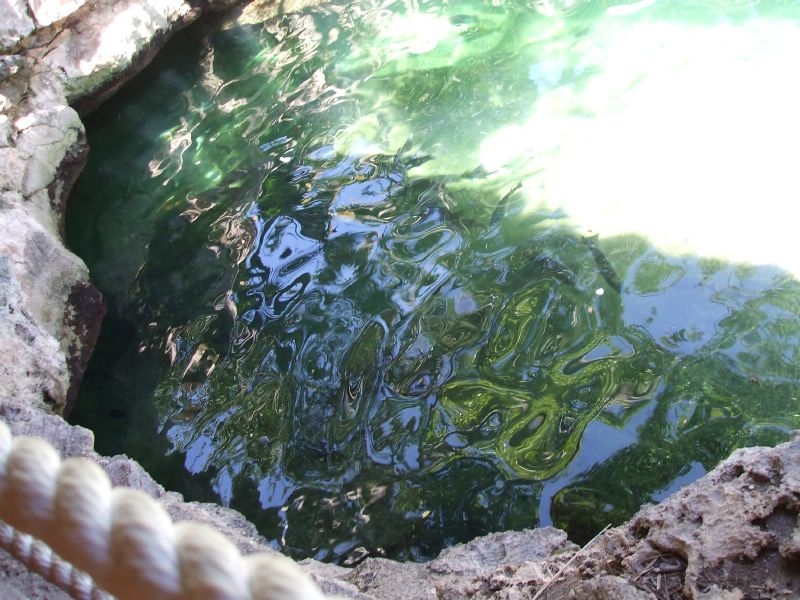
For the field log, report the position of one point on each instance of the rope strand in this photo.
(48, 565)
(121, 538)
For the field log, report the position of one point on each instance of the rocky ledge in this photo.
(732, 535)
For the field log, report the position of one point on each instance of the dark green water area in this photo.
(386, 276)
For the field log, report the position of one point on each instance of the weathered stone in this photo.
(9, 65)
(15, 24)
(47, 12)
(42, 273)
(715, 593)
(513, 548)
(17, 583)
(32, 367)
(259, 11)
(42, 149)
(114, 40)
(609, 587)
(730, 531)
(85, 312)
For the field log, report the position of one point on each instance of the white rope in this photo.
(122, 538)
(37, 557)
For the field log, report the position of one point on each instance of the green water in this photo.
(388, 276)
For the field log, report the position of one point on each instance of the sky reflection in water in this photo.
(387, 277)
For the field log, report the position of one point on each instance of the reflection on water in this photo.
(386, 276)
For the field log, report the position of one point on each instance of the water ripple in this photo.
(333, 306)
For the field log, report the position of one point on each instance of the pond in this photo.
(386, 276)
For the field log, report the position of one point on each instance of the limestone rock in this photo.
(32, 367)
(16, 23)
(109, 41)
(9, 65)
(609, 587)
(42, 149)
(513, 548)
(499, 565)
(47, 12)
(259, 11)
(732, 529)
(112, 41)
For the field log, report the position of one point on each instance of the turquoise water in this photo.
(386, 276)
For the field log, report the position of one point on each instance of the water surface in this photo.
(386, 276)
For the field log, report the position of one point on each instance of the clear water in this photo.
(386, 276)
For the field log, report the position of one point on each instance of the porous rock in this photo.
(60, 54)
(42, 146)
(608, 587)
(734, 529)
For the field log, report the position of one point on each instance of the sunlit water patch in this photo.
(386, 276)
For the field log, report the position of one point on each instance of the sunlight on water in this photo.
(685, 135)
(386, 276)
(676, 125)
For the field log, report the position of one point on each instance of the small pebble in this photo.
(599, 291)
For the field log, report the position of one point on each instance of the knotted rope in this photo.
(122, 538)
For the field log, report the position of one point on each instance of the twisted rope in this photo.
(122, 538)
(39, 558)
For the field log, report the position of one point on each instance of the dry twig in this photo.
(543, 589)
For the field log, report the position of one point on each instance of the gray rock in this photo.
(17, 583)
(108, 41)
(32, 367)
(731, 529)
(609, 587)
(15, 24)
(42, 148)
(513, 548)
(47, 12)
(10, 65)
